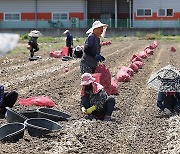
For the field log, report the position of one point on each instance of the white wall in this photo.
(17, 5)
(61, 5)
(43, 5)
(156, 4)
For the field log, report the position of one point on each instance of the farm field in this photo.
(137, 125)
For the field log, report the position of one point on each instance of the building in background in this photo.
(156, 13)
(82, 13)
(41, 13)
(62, 13)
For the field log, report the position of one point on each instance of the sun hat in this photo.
(96, 24)
(66, 31)
(86, 79)
(78, 48)
(35, 33)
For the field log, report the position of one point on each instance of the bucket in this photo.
(64, 51)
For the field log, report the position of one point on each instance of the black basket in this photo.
(29, 113)
(13, 116)
(12, 131)
(41, 126)
(52, 114)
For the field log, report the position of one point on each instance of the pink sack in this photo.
(136, 59)
(66, 69)
(130, 71)
(103, 43)
(173, 49)
(114, 86)
(105, 78)
(55, 54)
(139, 64)
(154, 44)
(134, 67)
(133, 56)
(148, 47)
(37, 101)
(29, 47)
(122, 76)
(142, 54)
(109, 42)
(97, 76)
(149, 52)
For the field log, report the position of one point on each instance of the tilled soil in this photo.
(137, 125)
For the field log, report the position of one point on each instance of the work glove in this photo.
(91, 109)
(99, 58)
(167, 111)
(83, 109)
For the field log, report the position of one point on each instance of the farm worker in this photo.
(7, 99)
(78, 51)
(92, 48)
(94, 100)
(32, 44)
(168, 101)
(69, 42)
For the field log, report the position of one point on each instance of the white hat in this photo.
(96, 24)
(35, 33)
(66, 31)
(78, 48)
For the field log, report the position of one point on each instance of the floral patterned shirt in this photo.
(98, 99)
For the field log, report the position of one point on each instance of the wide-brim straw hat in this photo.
(35, 33)
(87, 79)
(78, 48)
(66, 31)
(96, 24)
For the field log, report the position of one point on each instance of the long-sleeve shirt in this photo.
(167, 98)
(69, 40)
(98, 99)
(1, 94)
(91, 49)
(33, 41)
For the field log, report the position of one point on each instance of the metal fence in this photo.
(76, 23)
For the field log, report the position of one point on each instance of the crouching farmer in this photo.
(7, 99)
(95, 102)
(169, 101)
(32, 43)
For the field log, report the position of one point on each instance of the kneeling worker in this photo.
(94, 100)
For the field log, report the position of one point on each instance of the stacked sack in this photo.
(103, 76)
(136, 63)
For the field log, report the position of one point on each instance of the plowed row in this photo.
(137, 125)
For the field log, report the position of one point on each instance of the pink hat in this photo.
(87, 79)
